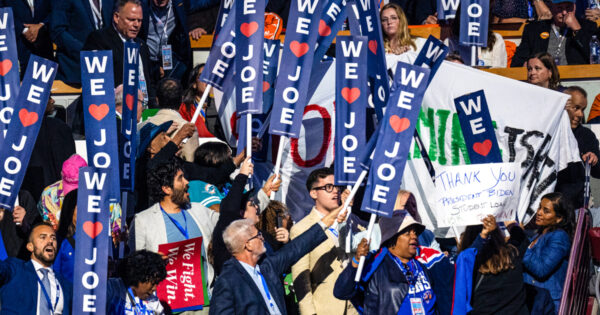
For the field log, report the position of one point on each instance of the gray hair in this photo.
(237, 234)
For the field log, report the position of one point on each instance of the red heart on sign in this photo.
(483, 148)
(324, 29)
(92, 229)
(399, 124)
(266, 86)
(98, 111)
(129, 101)
(350, 94)
(373, 46)
(299, 49)
(5, 66)
(27, 118)
(249, 28)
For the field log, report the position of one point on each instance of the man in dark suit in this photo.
(565, 37)
(31, 18)
(31, 287)
(247, 287)
(126, 25)
(165, 25)
(71, 21)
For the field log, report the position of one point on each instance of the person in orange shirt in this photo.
(209, 125)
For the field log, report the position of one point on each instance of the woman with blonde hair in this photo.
(396, 36)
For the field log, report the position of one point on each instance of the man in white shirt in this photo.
(32, 287)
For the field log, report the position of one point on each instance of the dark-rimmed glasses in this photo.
(327, 187)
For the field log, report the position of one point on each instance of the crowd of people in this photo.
(257, 260)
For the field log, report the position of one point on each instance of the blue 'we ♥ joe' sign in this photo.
(393, 142)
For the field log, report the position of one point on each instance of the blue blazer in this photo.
(18, 288)
(236, 293)
(71, 21)
(22, 15)
(64, 264)
(546, 263)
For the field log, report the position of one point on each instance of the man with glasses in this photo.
(565, 37)
(246, 286)
(315, 274)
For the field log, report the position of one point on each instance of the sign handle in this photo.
(473, 56)
(249, 138)
(361, 263)
(282, 140)
(359, 181)
(124, 210)
(202, 100)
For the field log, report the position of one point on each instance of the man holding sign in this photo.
(173, 218)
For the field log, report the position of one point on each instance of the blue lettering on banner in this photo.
(250, 26)
(127, 139)
(98, 95)
(368, 12)
(350, 102)
(474, 16)
(393, 142)
(22, 132)
(446, 9)
(332, 19)
(92, 239)
(9, 69)
(292, 82)
(477, 128)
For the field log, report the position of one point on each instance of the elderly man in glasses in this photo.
(246, 286)
(315, 274)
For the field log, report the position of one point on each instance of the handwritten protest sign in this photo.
(182, 289)
(467, 193)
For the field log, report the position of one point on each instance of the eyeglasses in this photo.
(390, 19)
(328, 187)
(258, 235)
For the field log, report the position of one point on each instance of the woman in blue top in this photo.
(546, 259)
(65, 259)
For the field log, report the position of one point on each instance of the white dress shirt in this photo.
(54, 285)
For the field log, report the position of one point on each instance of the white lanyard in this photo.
(560, 39)
(96, 13)
(166, 23)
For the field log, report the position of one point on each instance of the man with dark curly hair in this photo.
(133, 292)
(172, 217)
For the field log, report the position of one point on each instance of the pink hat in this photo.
(70, 172)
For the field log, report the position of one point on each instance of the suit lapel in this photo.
(250, 282)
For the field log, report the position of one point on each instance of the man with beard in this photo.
(172, 218)
(31, 287)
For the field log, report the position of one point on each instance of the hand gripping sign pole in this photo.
(202, 100)
(282, 141)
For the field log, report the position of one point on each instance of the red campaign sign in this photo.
(182, 289)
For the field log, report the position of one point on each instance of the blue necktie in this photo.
(43, 306)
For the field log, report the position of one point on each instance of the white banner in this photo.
(465, 194)
(532, 129)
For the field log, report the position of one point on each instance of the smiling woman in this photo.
(542, 71)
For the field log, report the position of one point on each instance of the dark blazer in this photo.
(71, 21)
(18, 288)
(108, 39)
(236, 293)
(577, 47)
(179, 38)
(22, 15)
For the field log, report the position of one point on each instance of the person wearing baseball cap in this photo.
(394, 281)
(565, 37)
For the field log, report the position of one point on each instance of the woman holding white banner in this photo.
(498, 286)
(547, 256)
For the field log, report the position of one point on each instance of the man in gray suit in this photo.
(172, 218)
